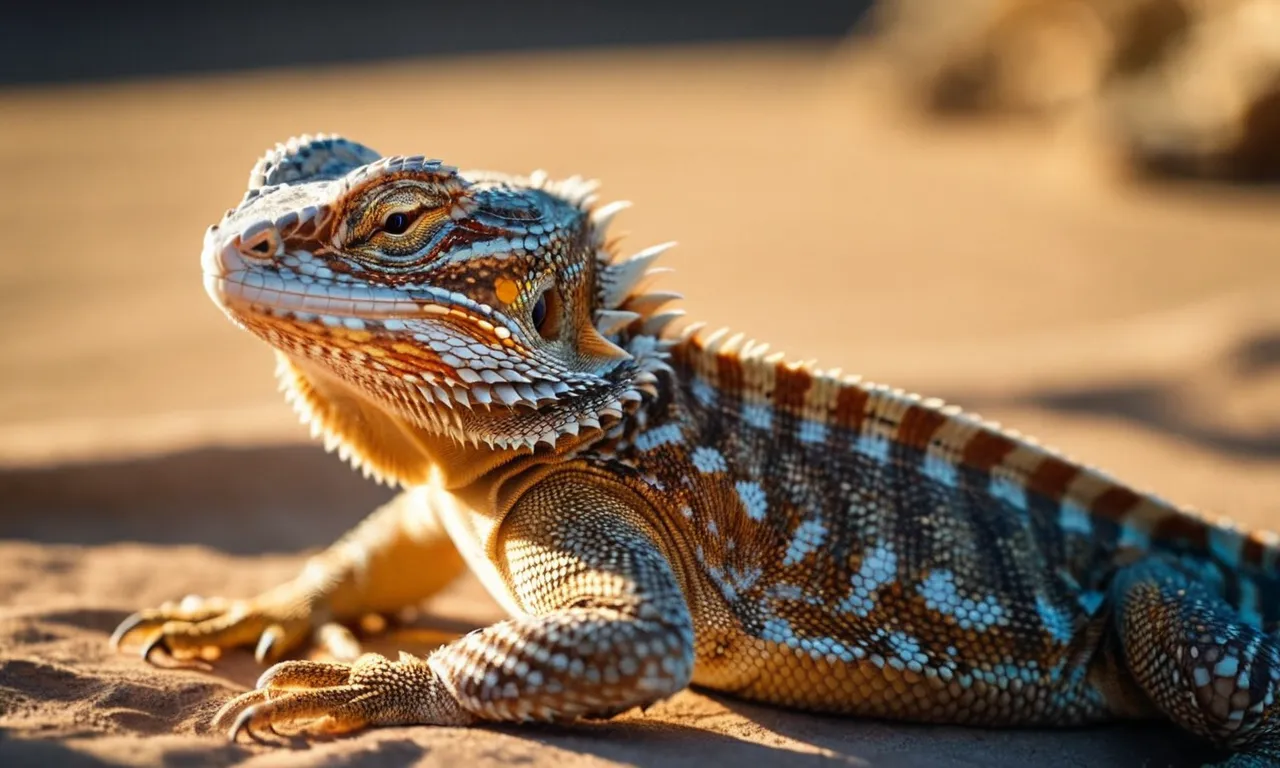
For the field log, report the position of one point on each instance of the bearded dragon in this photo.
(657, 507)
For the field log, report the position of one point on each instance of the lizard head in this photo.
(486, 308)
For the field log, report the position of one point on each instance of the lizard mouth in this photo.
(249, 290)
(239, 286)
(378, 320)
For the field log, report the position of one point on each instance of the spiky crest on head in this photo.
(407, 299)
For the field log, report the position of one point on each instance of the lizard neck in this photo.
(389, 446)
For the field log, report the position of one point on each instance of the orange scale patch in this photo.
(506, 290)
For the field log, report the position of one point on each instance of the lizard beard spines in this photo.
(628, 315)
(363, 416)
(360, 434)
(620, 280)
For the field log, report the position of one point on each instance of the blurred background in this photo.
(1064, 214)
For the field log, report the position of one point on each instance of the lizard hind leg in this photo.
(1201, 665)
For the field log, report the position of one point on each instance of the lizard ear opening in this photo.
(547, 314)
(309, 158)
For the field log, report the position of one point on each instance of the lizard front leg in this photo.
(397, 556)
(607, 628)
(1198, 662)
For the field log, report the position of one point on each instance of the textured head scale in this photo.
(481, 307)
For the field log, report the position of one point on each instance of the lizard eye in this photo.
(539, 312)
(396, 223)
(545, 314)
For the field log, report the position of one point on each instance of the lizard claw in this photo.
(149, 647)
(156, 641)
(194, 627)
(125, 627)
(267, 643)
(242, 723)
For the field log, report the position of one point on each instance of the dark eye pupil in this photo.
(396, 224)
(539, 312)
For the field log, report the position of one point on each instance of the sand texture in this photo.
(145, 454)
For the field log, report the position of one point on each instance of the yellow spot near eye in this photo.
(506, 289)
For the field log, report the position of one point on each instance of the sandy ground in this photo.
(144, 453)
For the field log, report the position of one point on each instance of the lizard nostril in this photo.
(260, 244)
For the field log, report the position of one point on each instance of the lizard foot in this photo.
(321, 698)
(397, 557)
(202, 627)
(1198, 661)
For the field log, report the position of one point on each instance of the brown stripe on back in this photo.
(680, 356)
(729, 374)
(985, 450)
(1254, 552)
(851, 407)
(790, 386)
(1052, 477)
(1113, 503)
(1183, 529)
(918, 426)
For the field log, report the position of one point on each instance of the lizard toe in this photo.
(191, 609)
(339, 642)
(289, 675)
(321, 710)
(334, 698)
(188, 629)
(310, 696)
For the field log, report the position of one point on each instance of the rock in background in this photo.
(1187, 87)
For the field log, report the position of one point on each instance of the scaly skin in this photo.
(655, 509)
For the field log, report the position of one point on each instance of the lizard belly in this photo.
(886, 671)
(779, 674)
